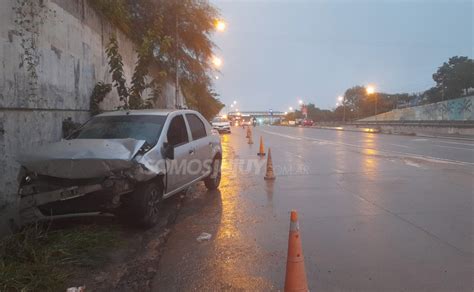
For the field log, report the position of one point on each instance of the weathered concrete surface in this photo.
(71, 49)
(460, 109)
(377, 213)
(467, 133)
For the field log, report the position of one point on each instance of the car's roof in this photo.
(157, 112)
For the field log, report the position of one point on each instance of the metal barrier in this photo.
(450, 124)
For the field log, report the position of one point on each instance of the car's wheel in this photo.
(214, 179)
(142, 207)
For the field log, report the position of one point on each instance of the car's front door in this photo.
(177, 135)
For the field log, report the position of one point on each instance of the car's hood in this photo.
(82, 158)
(221, 124)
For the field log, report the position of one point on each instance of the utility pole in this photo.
(344, 109)
(376, 102)
(176, 92)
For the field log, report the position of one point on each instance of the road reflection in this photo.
(340, 154)
(231, 244)
(370, 163)
(230, 186)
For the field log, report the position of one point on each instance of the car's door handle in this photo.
(191, 151)
(210, 144)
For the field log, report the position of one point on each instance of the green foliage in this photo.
(166, 33)
(38, 260)
(115, 11)
(98, 94)
(116, 68)
(201, 99)
(455, 77)
(69, 126)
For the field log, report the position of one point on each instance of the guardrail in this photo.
(451, 124)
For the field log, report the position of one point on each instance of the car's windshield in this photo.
(140, 127)
(219, 120)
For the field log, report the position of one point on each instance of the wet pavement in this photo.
(377, 212)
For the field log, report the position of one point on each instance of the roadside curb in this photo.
(378, 131)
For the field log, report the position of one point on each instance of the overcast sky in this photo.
(275, 52)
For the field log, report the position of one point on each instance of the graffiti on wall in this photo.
(460, 109)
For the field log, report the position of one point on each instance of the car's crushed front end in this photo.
(82, 176)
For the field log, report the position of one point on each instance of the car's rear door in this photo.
(200, 142)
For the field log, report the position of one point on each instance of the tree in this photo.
(455, 77)
(167, 33)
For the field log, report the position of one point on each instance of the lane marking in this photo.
(389, 152)
(440, 141)
(282, 135)
(458, 143)
(404, 146)
(468, 149)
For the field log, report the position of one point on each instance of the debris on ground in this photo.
(76, 289)
(204, 237)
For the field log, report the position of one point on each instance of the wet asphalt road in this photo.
(377, 213)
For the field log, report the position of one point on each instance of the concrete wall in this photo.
(460, 109)
(72, 59)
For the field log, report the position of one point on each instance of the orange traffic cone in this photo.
(261, 152)
(250, 137)
(295, 279)
(269, 175)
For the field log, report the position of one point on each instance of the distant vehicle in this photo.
(254, 122)
(122, 163)
(221, 124)
(292, 123)
(307, 123)
(246, 123)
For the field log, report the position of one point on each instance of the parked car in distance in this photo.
(221, 124)
(123, 162)
(307, 123)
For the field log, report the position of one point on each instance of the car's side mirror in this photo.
(168, 151)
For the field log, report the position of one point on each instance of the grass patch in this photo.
(37, 259)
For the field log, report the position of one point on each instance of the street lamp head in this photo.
(300, 101)
(235, 102)
(370, 89)
(340, 98)
(216, 61)
(290, 108)
(231, 105)
(220, 25)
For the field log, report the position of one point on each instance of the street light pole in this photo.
(176, 92)
(344, 109)
(376, 102)
(371, 90)
(342, 99)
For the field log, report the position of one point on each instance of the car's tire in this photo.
(142, 207)
(214, 179)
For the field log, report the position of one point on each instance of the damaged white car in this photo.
(123, 162)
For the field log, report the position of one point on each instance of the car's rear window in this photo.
(139, 127)
(219, 120)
